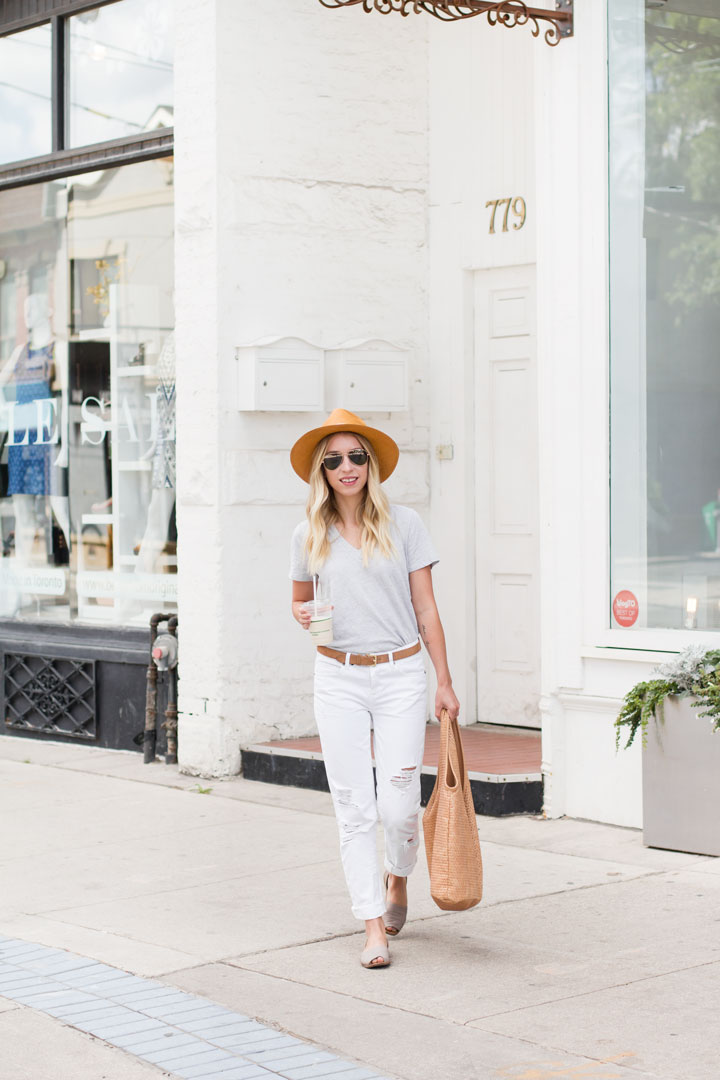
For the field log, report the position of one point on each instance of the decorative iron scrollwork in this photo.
(50, 695)
(682, 40)
(506, 13)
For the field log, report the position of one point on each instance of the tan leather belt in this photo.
(368, 659)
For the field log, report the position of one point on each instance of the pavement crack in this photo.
(173, 889)
(178, 785)
(547, 850)
(344, 993)
(445, 915)
(541, 895)
(112, 934)
(293, 945)
(591, 993)
(612, 1060)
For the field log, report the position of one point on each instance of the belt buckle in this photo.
(374, 658)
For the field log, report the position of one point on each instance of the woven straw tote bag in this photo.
(450, 830)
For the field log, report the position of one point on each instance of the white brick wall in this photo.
(301, 140)
(308, 191)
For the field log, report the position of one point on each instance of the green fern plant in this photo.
(644, 701)
(693, 673)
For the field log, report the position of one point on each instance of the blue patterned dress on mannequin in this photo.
(29, 466)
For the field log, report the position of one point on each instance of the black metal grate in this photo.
(50, 695)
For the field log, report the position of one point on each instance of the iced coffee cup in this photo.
(321, 629)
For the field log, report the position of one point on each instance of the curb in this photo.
(493, 795)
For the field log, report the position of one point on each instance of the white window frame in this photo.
(603, 640)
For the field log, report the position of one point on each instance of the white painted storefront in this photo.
(529, 413)
(337, 177)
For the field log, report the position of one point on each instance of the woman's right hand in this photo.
(303, 617)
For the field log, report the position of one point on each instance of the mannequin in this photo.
(162, 499)
(34, 447)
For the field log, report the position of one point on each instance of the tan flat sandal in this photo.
(375, 952)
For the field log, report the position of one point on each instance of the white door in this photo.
(506, 497)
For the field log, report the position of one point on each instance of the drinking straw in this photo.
(314, 594)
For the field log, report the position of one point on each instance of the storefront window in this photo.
(121, 70)
(87, 397)
(25, 94)
(664, 69)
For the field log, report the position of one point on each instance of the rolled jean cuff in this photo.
(369, 911)
(398, 871)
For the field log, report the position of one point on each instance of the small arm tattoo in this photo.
(423, 630)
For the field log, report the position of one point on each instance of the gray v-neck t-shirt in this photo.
(372, 608)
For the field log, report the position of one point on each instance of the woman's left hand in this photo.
(445, 699)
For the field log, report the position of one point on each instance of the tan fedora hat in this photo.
(341, 420)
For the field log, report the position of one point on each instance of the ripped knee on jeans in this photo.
(403, 779)
(350, 816)
(344, 797)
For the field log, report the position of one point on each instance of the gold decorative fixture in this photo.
(507, 13)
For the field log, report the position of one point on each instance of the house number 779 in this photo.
(515, 204)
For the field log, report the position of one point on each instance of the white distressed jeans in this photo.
(390, 699)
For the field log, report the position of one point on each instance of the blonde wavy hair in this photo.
(373, 513)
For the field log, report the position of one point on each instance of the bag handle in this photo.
(444, 749)
(444, 763)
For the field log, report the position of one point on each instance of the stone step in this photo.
(503, 763)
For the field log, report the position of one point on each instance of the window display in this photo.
(87, 397)
(664, 314)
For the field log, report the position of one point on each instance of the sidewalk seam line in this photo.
(597, 990)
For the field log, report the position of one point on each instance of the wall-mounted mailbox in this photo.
(367, 376)
(282, 374)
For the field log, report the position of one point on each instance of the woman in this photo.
(374, 560)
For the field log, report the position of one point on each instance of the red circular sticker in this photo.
(626, 608)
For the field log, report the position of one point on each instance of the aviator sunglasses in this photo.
(334, 461)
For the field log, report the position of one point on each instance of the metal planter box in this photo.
(681, 781)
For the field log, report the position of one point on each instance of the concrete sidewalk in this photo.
(590, 957)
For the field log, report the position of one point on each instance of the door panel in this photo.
(512, 420)
(506, 452)
(512, 617)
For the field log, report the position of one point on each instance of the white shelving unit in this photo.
(134, 310)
